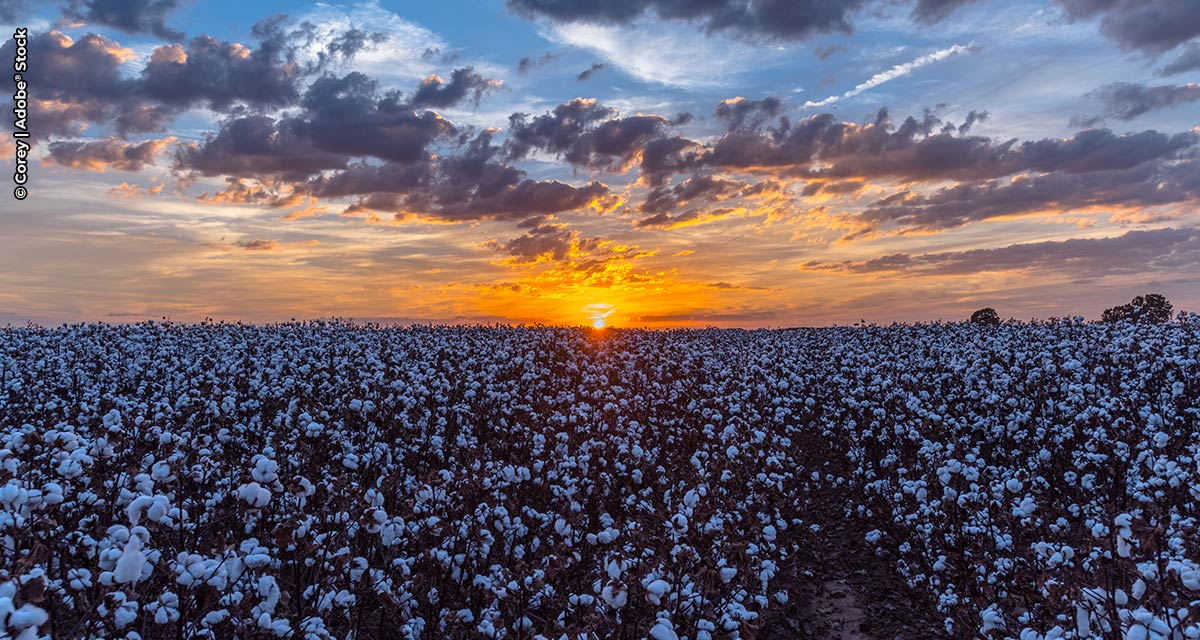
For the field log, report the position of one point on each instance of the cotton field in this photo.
(328, 480)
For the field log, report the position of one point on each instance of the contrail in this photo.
(895, 72)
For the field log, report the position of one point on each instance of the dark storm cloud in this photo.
(583, 134)
(1189, 60)
(1148, 185)
(1150, 26)
(586, 74)
(527, 64)
(1128, 100)
(1132, 252)
(108, 153)
(740, 113)
(465, 85)
(130, 16)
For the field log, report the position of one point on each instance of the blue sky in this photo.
(1046, 171)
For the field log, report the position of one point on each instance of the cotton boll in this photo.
(614, 594)
(656, 590)
(130, 564)
(254, 495)
(662, 630)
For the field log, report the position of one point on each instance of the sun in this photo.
(598, 323)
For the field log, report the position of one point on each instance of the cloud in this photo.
(1136, 251)
(894, 72)
(130, 16)
(1147, 185)
(928, 12)
(754, 19)
(80, 82)
(1128, 100)
(1189, 60)
(397, 56)
(107, 153)
(665, 54)
(750, 20)
(1149, 26)
(257, 245)
(584, 134)
(821, 146)
(10, 10)
(586, 74)
(257, 146)
(825, 52)
(465, 86)
(740, 113)
(527, 64)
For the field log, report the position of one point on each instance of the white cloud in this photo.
(401, 58)
(673, 55)
(896, 71)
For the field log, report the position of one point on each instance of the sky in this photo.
(749, 163)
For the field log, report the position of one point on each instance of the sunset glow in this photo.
(880, 165)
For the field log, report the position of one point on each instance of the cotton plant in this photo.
(1035, 481)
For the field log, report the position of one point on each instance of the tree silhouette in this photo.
(986, 316)
(1151, 308)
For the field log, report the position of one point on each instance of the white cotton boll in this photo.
(130, 564)
(1138, 589)
(255, 495)
(662, 630)
(656, 590)
(265, 469)
(1191, 579)
(1014, 485)
(769, 533)
(727, 574)
(679, 523)
(614, 594)
(874, 536)
(562, 527)
(24, 620)
(781, 597)
(731, 451)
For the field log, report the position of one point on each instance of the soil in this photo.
(841, 590)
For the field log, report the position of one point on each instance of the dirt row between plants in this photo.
(843, 591)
